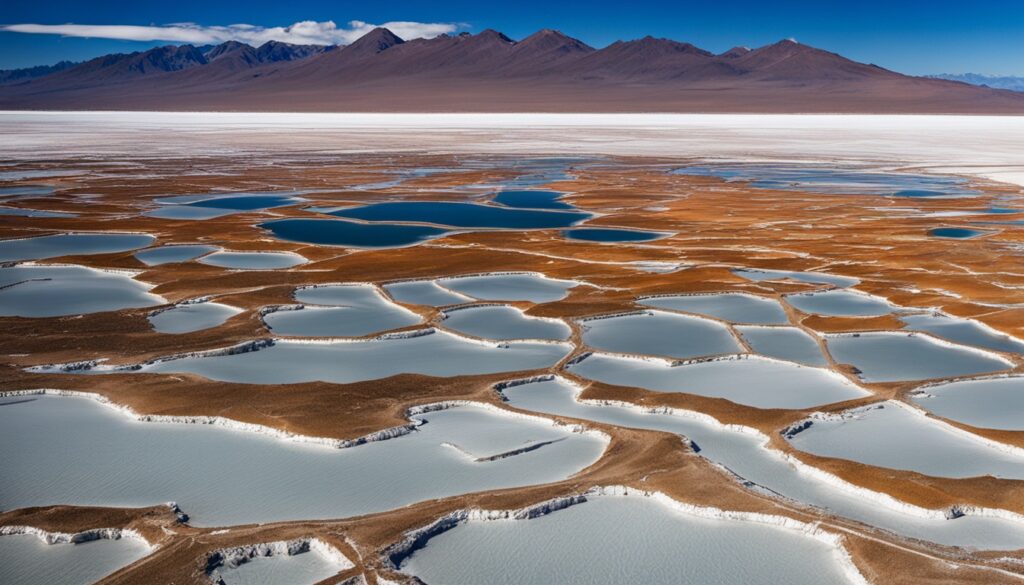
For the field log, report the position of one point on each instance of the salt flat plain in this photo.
(239, 418)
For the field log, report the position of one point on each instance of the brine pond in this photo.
(339, 310)
(734, 307)
(762, 274)
(612, 235)
(658, 333)
(502, 322)
(840, 303)
(53, 246)
(424, 292)
(532, 199)
(307, 567)
(54, 291)
(785, 343)
(957, 233)
(535, 288)
(965, 331)
(744, 454)
(615, 539)
(189, 317)
(339, 232)
(210, 206)
(462, 215)
(173, 253)
(750, 380)
(27, 560)
(69, 450)
(991, 403)
(896, 438)
(253, 260)
(834, 180)
(344, 361)
(895, 357)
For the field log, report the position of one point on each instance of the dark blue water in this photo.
(463, 215)
(821, 179)
(532, 199)
(957, 233)
(610, 235)
(338, 232)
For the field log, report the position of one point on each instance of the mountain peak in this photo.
(735, 52)
(490, 34)
(548, 39)
(373, 42)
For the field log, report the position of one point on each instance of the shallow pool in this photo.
(503, 322)
(253, 260)
(840, 303)
(462, 215)
(341, 310)
(53, 291)
(27, 560)
(753, 381)
(992, 403)
(785, 343)
(173, 253)
(963, 331)
(893, 357)
(744, 454)
(76, 451)
(188, 317)
(897, 438)
(613, 540)
(761, 274)
(734, 307)
(338, 232)
(658, 333)
(837, 180)
(56, 245)
(535, 288)
(424, 292)
(612, 235)
(532, 199)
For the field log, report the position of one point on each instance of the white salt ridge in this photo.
(50, 537)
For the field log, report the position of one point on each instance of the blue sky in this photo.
(913, 36)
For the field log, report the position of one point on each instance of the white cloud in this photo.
(304, 32)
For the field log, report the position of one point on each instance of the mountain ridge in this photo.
(488, 71)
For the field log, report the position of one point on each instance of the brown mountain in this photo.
(546, 71)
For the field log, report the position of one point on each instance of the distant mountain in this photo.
(14, 75)
(490, 72)
(999, 82)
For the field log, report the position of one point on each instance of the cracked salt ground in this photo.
(70, 450)
(742, 450)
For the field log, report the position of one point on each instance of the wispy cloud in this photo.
(305, 32)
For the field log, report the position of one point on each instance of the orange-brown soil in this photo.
(715, 226)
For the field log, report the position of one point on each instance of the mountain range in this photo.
(1009, 82)
(489, 72)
